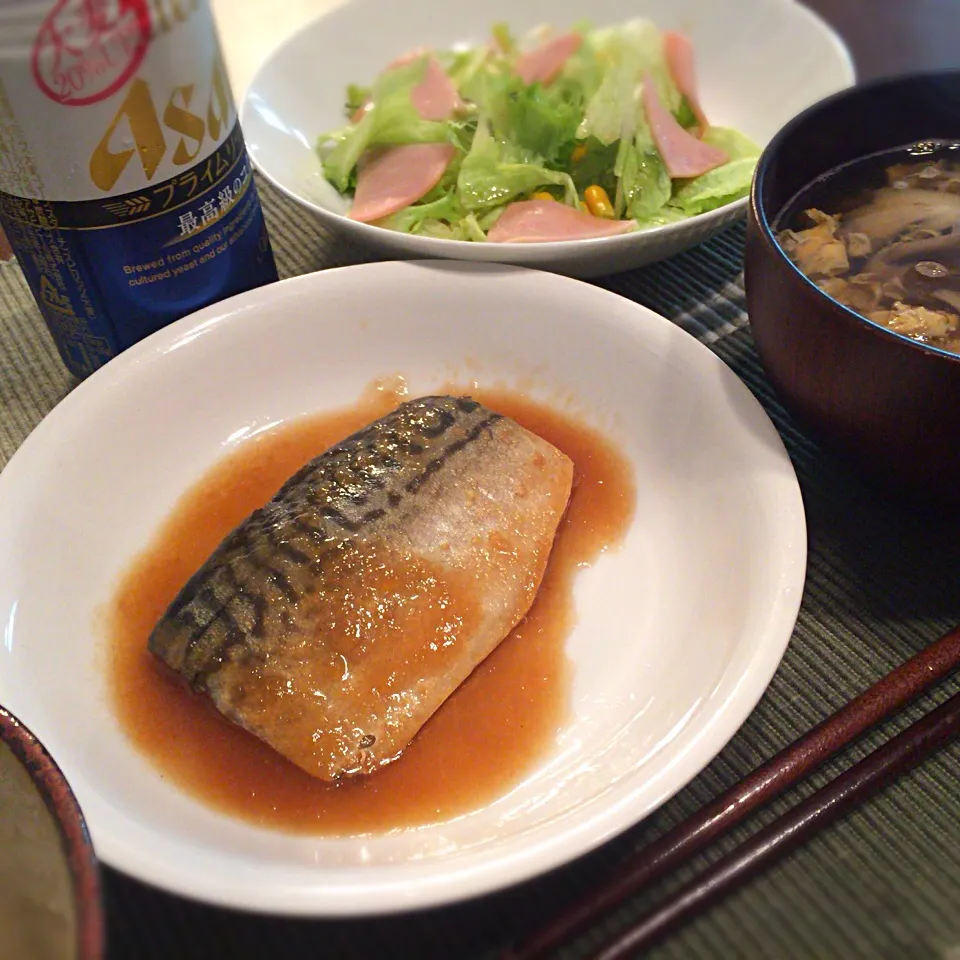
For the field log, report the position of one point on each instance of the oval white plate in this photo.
(679, 630)
(760, 62)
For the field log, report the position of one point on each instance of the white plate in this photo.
(760, 62)
(679, 631)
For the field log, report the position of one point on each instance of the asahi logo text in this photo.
(146, 129)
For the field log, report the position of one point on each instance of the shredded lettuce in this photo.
(733, 143)
(538, 119)
(469, 229)
(584, 68)
(504, 38)
(413, 218)
(661, 218)
(495, 171)
(463, 66)
(716, 188)
(585, 128)
(604, 113)
(391, 120)
(645, 182)
(592, 162)
(685, 115)
(723, 184)
(356, 98)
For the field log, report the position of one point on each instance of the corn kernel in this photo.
(598, 203)
(579, 152)
(542, 195)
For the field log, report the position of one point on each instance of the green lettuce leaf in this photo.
(448, 182)
(627, 54)
(685, 116)
(661, 218)
(469, 229)
(603, 119)
(584, 67)
(503, 36)
(494, 172)
(543, 120)
(390, 121)
(733, 143)
(724, 184)
(414, 219)
(716, 188)
(593, 164)
(356, 98)
(645, 183)
(462, 67)
(489, 217)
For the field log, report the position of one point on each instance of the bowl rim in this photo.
(75, 840)
(759, 214)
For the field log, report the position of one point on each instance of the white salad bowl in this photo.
(760, 62)
(678, 629)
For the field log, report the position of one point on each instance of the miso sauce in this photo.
(494, 728)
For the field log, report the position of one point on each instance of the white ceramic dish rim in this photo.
(413, 885)
(439, 247)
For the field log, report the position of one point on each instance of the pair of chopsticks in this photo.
(799, 824)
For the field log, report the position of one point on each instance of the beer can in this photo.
(125, 187)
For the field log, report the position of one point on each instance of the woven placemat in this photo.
(882, 582)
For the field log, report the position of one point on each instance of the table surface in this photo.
(881, 584)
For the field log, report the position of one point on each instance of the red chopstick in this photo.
(791, 765)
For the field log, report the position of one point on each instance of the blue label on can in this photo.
(107, 273)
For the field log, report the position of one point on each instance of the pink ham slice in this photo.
(683, 154)
(389, 180)
(679, 53)
(397, 177)
(543, 64)
(434, 97)
(543, 221)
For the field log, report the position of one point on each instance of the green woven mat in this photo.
(882, 582)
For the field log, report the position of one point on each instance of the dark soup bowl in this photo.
(50, 905)
(887, 404)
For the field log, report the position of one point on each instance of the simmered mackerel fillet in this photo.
(335, 620)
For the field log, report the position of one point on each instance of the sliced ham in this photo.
(434, 97)
(678, 50)
(398, 176)
(543, 221)
(683, 154)
(544, 63)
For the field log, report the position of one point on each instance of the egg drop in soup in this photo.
(881, 235)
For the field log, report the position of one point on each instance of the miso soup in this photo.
(881, 235)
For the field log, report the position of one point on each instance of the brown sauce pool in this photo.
(501, 721)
